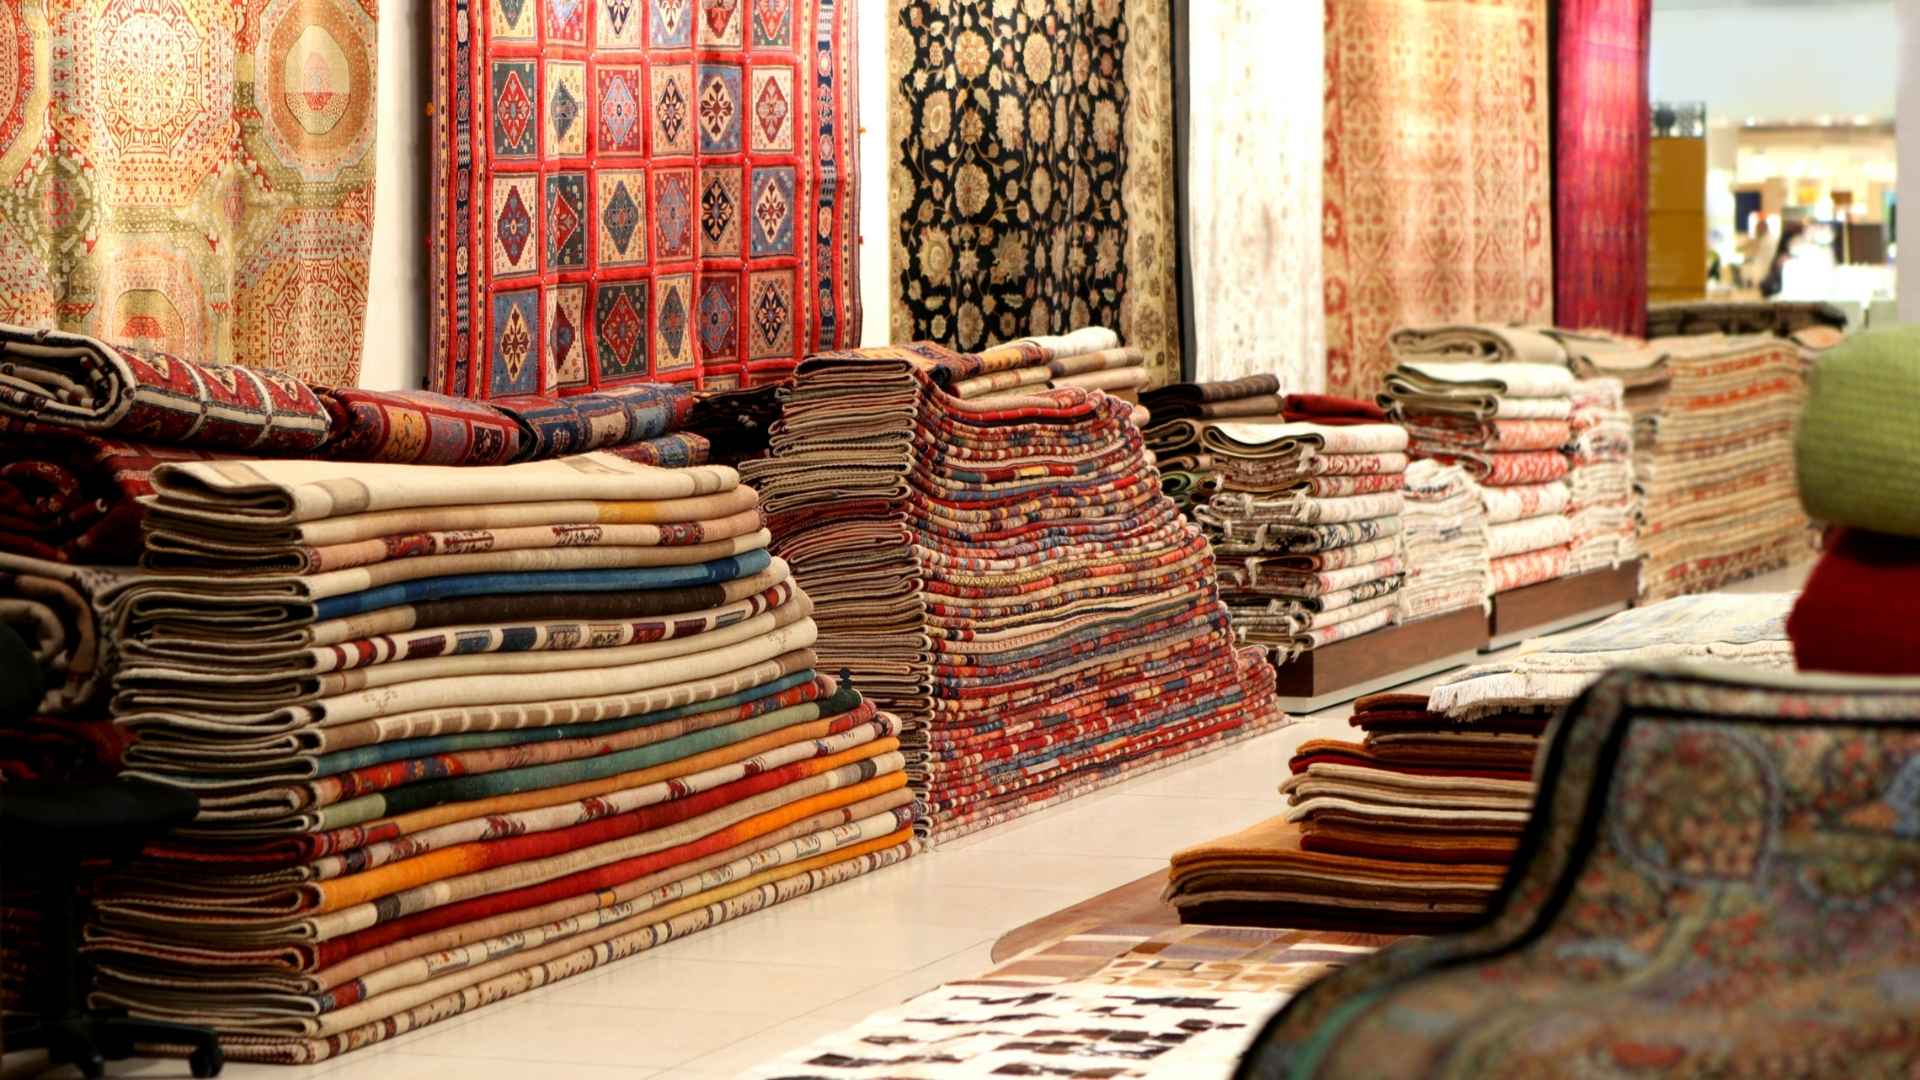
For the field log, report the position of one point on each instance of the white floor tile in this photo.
(544, 1031)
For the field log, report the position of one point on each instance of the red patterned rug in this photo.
(634, 190)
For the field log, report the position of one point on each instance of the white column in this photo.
(1907, 125)
(394, 356)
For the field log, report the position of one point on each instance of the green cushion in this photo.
(1859, 444)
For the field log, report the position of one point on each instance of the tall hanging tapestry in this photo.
(1254, 192)
(634, 190)
(1600, 164)
(1436, 173)
(1032, 187)
(192, 176)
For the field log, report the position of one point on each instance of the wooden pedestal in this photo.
(1562, 603)
(1385, 658)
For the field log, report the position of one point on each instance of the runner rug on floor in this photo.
(1005, 574)
(1118, 1001)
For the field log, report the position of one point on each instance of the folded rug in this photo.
(417, 427)
(1479, 341)
(77, 498)
(53, 382)
(1330, 409)
(553, 427)
(1517, 502)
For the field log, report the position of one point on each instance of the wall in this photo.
(1778, 62)
(1909, 138)
(395, 353)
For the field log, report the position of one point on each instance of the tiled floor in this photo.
(741, 994)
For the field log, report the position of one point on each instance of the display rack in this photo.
(1380, 660)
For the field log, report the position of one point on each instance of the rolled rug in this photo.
(1843, 621)
(78, 498)
(1858, 444)
(54, 382)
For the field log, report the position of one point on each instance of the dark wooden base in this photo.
(1561, 604)
(1385, 658)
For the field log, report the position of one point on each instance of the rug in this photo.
(1690, 897)
(66, 384)
(1252, 252)
(1083, 163)
(232, 224)
(626, 193)
(1548, 672)
(78, 498)
(1444, 536)
(1600, 154)
(1402, 143)
(1005, 574)
(1117, 1001)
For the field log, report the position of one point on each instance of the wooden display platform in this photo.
(1385, 658)
(1553, 606)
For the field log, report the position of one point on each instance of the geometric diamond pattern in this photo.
(719, 211)
(620, 197)
(513, 202)
(673, 214)
(672, 23)
(719, 317)
(718, 111)
(772, 122)
(770, 314)
(643, 179)
(672, 110)
(620, 329)
(772, 213)
(618, 101)
(673, 309)
(772, 23)
(567, 221)
(719, 24)
(566, 101)
(513, 120)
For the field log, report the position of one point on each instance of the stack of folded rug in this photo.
(1306, 529)
(1783, 318)
(1506, 423)
(460, 733)
(1190, 472)
(1004, 573)
(83, 424)
(1445, 530)
(1858, 453)
(1407, 831)
(1091, 358)
(1600, 482)
(1715, 466)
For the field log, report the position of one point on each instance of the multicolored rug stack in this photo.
(459, 733)
(1602, 504)
(1445, 530)
(1090, 358)
(1716, 466)
(1309, 553)
(1506, 423)
(1405, 831)
(1006, 575)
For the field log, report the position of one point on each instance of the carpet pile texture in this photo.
(1004, 573)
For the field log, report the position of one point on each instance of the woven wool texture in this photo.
(1254, 249)
(1032, 182)
(1600, 163)
(1003, 573)
(455, 734)
(1437, 201)
(194, 178)
(627, 191)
